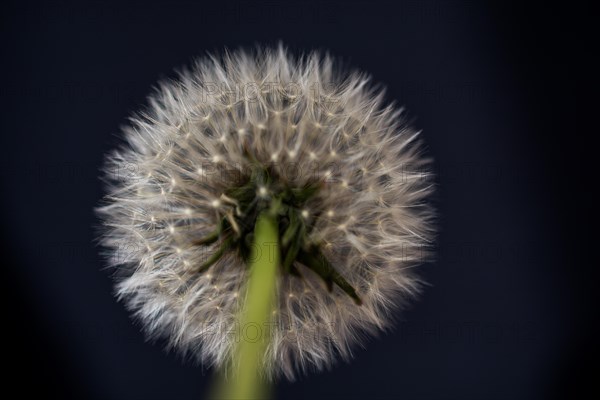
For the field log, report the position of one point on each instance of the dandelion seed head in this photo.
(336, 154)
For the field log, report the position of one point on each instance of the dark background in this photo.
(490, 85)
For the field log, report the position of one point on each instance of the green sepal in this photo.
(319, 264)
(216, 255)
(243, 194)
(213, 236)
(292, 228)
(308, 191)
(292, 252)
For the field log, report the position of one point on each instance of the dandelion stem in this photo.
(246, 381)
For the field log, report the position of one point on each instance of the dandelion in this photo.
(337, 175)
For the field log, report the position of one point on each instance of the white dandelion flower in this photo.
(239, 134)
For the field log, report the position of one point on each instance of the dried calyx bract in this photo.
(263, 190)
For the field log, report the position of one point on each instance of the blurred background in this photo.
(492, 87)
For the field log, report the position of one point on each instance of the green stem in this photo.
(245, 381)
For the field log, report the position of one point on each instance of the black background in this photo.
(490, 85)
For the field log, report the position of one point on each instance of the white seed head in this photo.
(310, 123)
